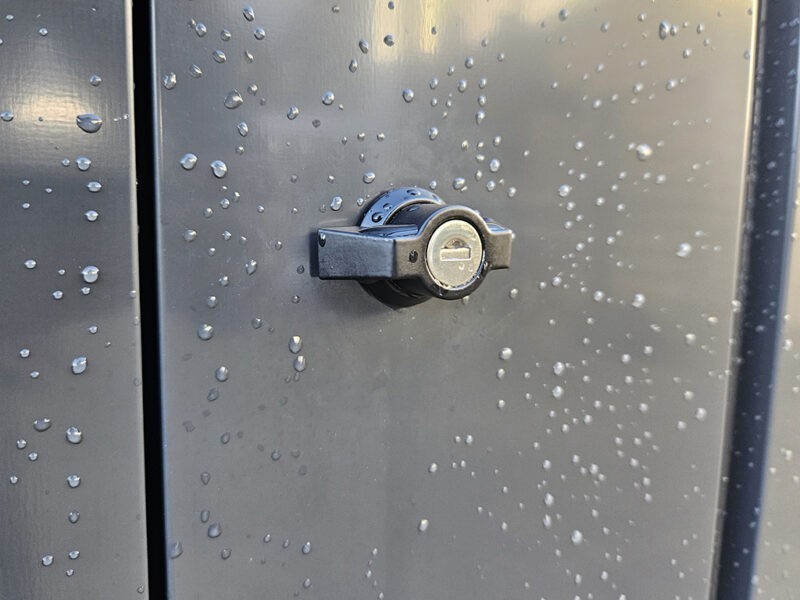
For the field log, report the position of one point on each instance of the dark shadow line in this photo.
(148, 294)
(766, 241)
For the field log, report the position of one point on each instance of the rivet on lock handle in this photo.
(411, 246)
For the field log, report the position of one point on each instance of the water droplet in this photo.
(74, 554)
(225, 553)
(205, 331)
(188, 161)
(83, 163)
(243, 129)
(170, 80)
(221, 373)
(90, 273)
(433, 133)
(233, 99)
(408, 95)
(13, 480)
(73, 481)
(90, 123)
(95, 80)
(643, 152)
(175, 549)
(459, 183)
(328, 98)
(563, 14)
(564, 190)
(388, 40)
(195, 71)
(30, 264)
(293, 113)
(295, 344)
(47, 560)
(306, 549)
(663, 30)
(494, 165)
(684, 250)
(42, 424)
(336, 203)
(577, 537)
(259, 33)
(74, 435)
(7, 116)
(214, 530)
(423, 525)
(219, 56)
(506, 353)
(353, 66)
(299, 363)
(219, 168)
(43, 31)
(200, 29)
(79, 365)
(94, 186)
(368, 177)
(251, 266)
(74, 516)
(558, 392)
(363, 45)
(205, 477)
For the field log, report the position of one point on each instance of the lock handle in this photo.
(411, 246)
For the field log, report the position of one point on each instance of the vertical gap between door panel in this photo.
(148, 295)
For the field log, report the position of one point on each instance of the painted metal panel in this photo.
(778, 558)
(559, 434)
(72, 516)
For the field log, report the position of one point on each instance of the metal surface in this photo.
(774, 554)
(72, 500)
(777, 564)
(771, 204)
(558, 435)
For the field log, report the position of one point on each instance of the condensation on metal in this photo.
(559, 432)
(71, 464)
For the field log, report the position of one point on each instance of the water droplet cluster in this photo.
(539, 421)
(69, 349)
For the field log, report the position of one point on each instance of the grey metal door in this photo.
(557, 434)
(72, 514)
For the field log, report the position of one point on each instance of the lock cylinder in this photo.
(410, 246)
